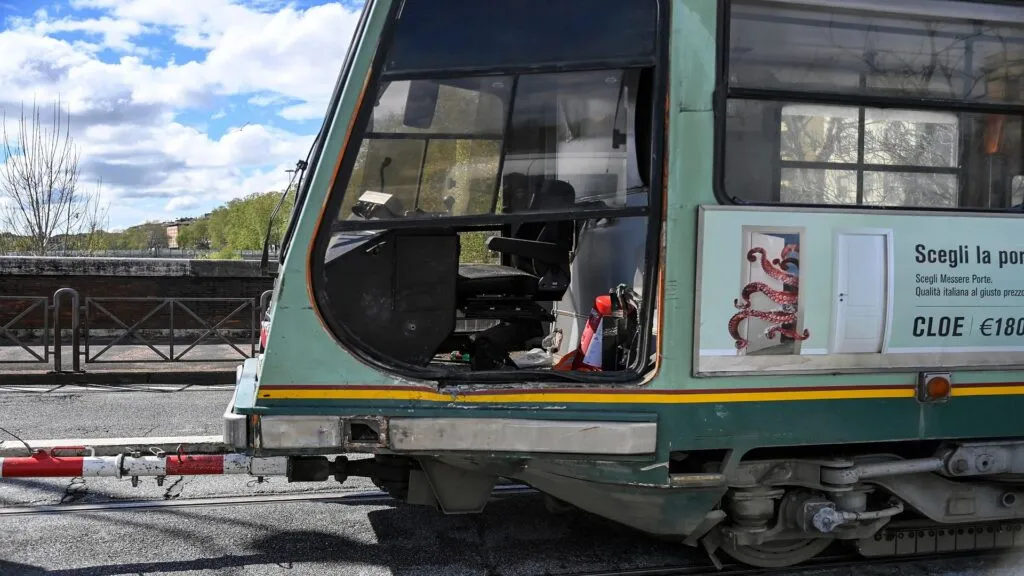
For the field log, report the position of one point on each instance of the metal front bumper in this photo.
(372, 433)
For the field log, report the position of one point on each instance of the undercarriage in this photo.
(779, 512)
(767, 507)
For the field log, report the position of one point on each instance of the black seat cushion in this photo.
(482, 280)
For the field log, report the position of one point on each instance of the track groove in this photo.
(838, 561)
(364, 498)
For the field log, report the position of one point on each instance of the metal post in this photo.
(265, 303)
(75, 313)
(257, 328)
(170, 314)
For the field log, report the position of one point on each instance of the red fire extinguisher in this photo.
(608, 337)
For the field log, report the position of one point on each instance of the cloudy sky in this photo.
(178, 105)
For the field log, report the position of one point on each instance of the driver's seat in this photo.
(539, 273)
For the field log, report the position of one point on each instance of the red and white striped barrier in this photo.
(47, 465)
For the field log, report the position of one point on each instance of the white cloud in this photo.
(179, 203)
(115, 32)
(304, 111)
(249, 51)
(127, 114)
(267, 99)
(196, 23)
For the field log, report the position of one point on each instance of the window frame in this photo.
(493, 218)
(724, 92)
(657, 136)
(861, 165)
(313, 157)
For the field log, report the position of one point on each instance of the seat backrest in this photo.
(548, 194)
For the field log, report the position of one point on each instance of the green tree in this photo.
(102, 240)
(146, 236)
(195, 235)
(241, 224)
(217, 227)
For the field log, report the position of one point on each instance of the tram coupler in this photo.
(320, 468)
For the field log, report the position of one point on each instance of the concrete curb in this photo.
(114, 377)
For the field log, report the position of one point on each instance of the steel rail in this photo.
(355, 498)
(208, 502)
(837, 561)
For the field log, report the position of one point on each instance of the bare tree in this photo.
(93, 218)
(39, 178)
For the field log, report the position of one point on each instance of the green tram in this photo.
(741, 273)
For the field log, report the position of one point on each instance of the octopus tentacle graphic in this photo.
(770, 269)
(773, 331)
(775, 317)
(786, 262)
(781, 321)
(777, 296)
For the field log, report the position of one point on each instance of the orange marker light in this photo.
(938, 387)
(933, 387)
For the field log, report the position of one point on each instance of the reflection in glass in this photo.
(910, 137)
(444, 163)
(570, 132)
(436, 148)
(1017, 195)
(815, 186)
(836, 50)
(826, 154)
(815, 133)
(910, 189)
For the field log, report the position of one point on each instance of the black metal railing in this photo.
(166, 308)
(21, 308)
(171, 329)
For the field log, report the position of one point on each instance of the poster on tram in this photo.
(827, 290)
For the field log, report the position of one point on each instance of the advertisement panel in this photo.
(799, 291)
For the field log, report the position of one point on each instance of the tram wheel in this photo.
(777, 554)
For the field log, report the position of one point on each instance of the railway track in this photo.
(698, 567)
(369, 497)
(851, 562)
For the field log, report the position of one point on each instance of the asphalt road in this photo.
(515, 535)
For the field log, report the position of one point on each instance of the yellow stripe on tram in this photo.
(556, 397)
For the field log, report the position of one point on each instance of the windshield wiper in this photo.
(300, 170)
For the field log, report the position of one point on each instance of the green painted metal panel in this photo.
(302, 351)
(299, 348)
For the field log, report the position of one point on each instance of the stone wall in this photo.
(131, 289)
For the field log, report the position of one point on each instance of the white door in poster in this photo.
(754, 330)
(861, 302)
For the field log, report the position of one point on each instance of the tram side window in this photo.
(833, 107)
